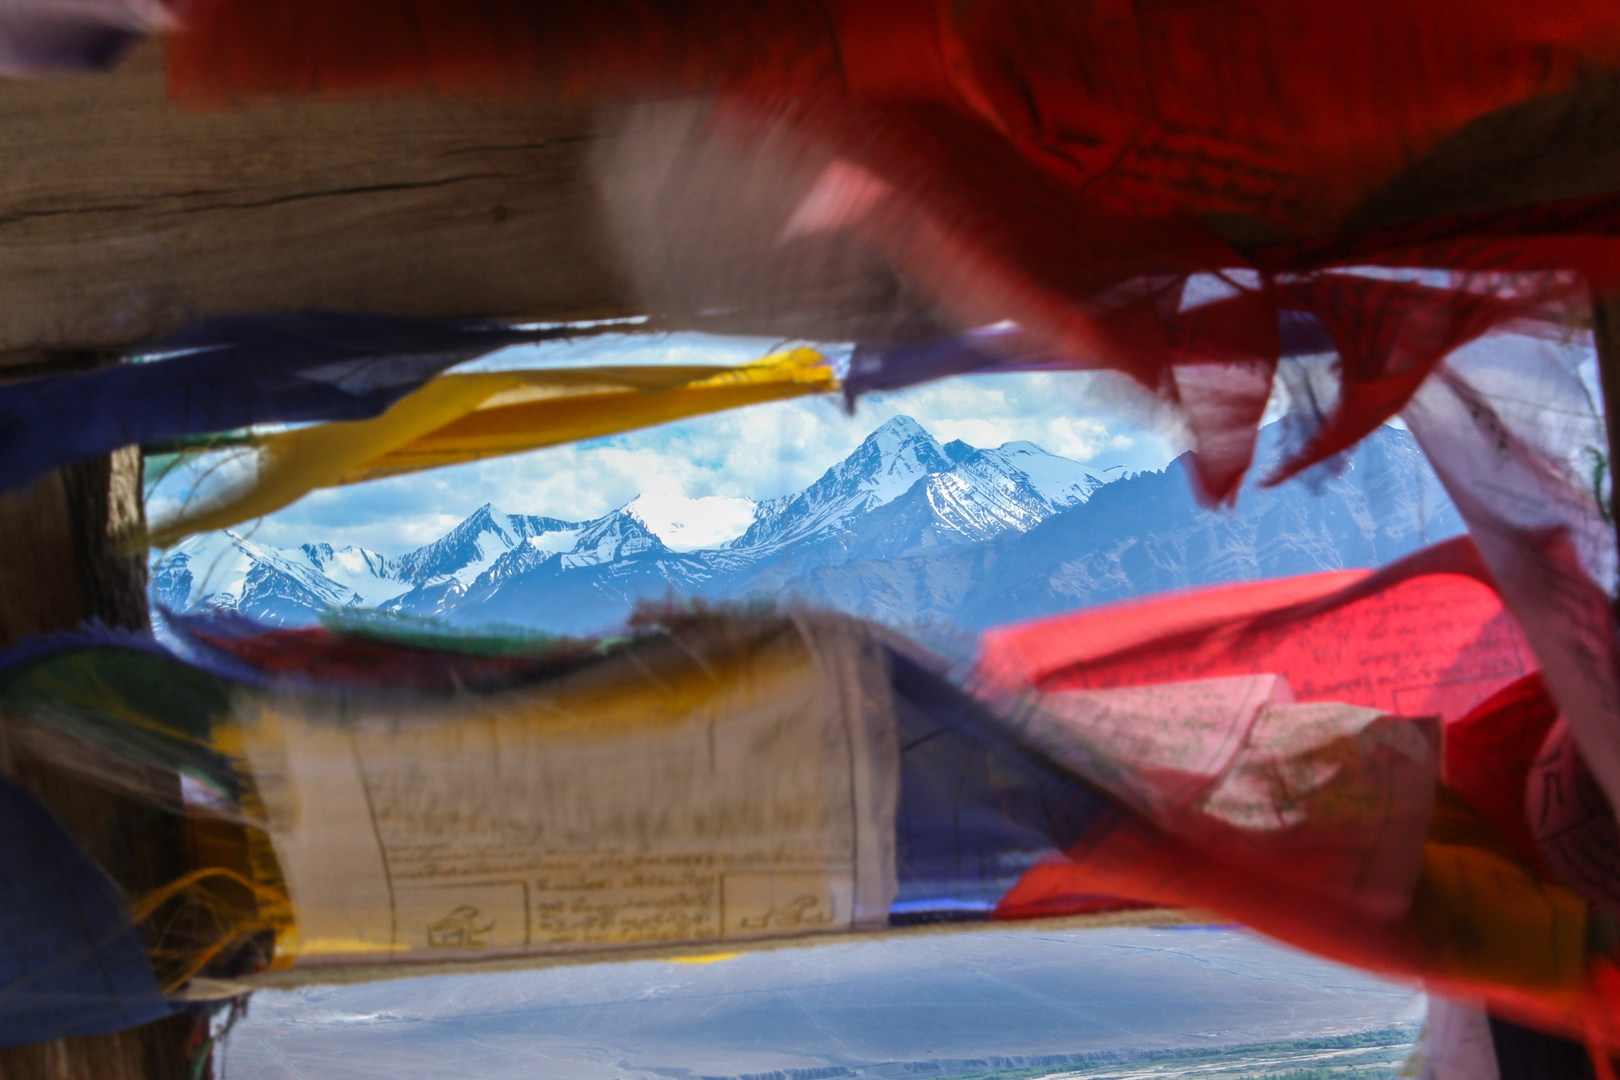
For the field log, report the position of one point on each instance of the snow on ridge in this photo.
(475, 545)
(608, 538)
(489, 548)
(886, 465)
(373, 578)
(502, 523)
(905, 453)
(370, 590)
(895, 432)
(555, 541)
(1061, 481)
(219, 564)
(981, 498)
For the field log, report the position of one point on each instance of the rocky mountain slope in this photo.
(905, 530)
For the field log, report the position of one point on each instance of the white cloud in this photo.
(689, 524)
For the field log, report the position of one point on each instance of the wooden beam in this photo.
(123, 216)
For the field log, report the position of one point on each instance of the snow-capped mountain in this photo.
(274, 585)
(1016, 486)
(492, 562)
(905, 530)
(885, 466)
(1146, 533)
(293, 585)
(473, 546)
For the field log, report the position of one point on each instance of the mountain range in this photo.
(930, 537)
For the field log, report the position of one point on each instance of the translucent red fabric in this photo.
(1489, 756)
(1514, 430)
(1425, 636)
(1288, 112)
(1163, 188)
(1479, 913)
(1066, 166)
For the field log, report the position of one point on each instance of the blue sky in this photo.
(755, 453)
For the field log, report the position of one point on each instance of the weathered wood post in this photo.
(63, 560)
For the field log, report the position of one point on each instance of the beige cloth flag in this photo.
(725, 785)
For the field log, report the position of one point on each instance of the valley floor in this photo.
(1008, 1004)
(1374, 1055)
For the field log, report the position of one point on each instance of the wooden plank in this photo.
(123, 216)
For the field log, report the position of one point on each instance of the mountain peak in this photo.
(881, 469)
(891, 459)
(486, 514)
(473, 545)
(896, 431)
(621, 533)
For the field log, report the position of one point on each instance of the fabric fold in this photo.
(460, 418)
(225, 374)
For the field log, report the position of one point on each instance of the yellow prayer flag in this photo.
(461, 418)
(514, 423)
